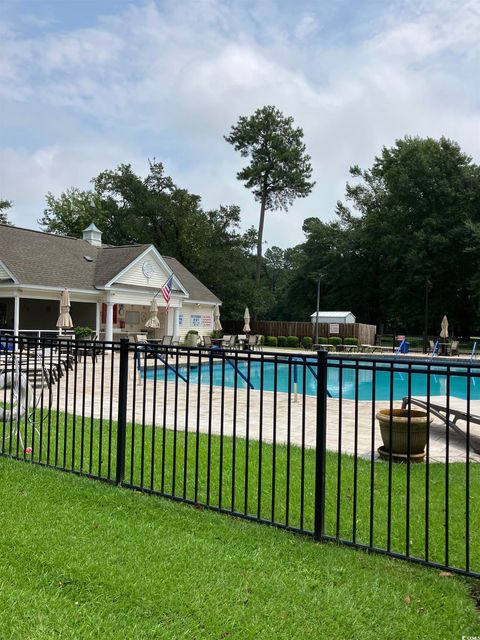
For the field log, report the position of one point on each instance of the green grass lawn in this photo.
(82, 559)
(212, 471)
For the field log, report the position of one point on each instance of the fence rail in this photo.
(288, 440)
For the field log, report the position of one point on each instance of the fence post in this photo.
(321, 445)
(122, 410)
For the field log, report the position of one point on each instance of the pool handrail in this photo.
(399, 349)
(243, 376)
(312, 371)
(474, 348)
(158, 357)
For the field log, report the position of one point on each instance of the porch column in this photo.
(170, 328)
(176, 327)
(16, 314)
(109, 323)
(98, 318)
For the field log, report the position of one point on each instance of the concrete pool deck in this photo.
(351, 426)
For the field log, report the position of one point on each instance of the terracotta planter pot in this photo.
(399, 430)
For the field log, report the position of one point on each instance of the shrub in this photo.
(335, 341)
(322, 340)
(192, 331)
(271, 341)
(350, 341)
(282, 341)
(293, 341)
(307, 342)
(82, 332)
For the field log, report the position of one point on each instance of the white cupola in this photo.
(93, 235)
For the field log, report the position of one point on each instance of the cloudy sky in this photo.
(88, 84)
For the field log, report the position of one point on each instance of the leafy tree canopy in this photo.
(279, 169)
(131, 209)
(4, 205)
(412, 216)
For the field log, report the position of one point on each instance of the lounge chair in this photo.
(167, 341)
(226, 340)
(251, 342)
(454, 415)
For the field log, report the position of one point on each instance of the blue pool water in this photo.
(438, 380)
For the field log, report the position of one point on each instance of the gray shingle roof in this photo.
(49, 260)
(111, 260)
(45, 259)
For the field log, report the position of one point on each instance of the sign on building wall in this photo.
(207, 321)
(195, 320)
(334, 328)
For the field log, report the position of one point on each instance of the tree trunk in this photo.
(260, 235)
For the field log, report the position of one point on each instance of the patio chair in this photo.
(141, 338)
(175, 341)
(453, 349)
(432, 346)
(251, 342)
(231, 342)
(207, 341)
(241, 341)
(258, 342)
(226, 340)
(167, 341)
(87, 348)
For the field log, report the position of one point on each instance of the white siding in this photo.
(4, 273)
(196, 317)
(140, 297)
(135, 274)
(333, 318)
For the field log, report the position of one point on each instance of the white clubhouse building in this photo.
(111, 287)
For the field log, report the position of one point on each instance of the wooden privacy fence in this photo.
(365, 333)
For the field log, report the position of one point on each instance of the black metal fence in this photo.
(288, 440)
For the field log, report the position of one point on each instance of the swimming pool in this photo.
(284, 380)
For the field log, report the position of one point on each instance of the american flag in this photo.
(167, 290)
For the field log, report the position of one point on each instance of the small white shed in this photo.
(333, 317)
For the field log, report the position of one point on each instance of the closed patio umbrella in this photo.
(65, 319)
(153, 322)
(444, 328)
(246, 319)
(217, 326)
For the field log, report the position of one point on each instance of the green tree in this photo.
(4, 205)
(153, 210)
(279, 170)
(415, 214)
(274, 260)
(71, 212)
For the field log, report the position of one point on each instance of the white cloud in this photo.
(169, 81)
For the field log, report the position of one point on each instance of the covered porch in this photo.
(110, 314)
